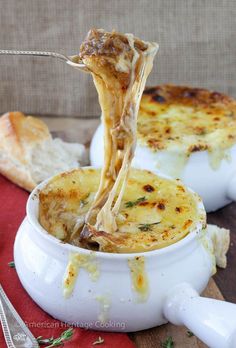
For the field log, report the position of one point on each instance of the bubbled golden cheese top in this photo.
(186, 119)
(155, 212)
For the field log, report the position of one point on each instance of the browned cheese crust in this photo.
(154, 213)
(185, 118)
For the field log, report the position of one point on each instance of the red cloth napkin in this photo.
(12, 212)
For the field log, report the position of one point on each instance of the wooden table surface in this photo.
(223, 286)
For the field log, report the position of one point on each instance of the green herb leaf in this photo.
(84, 201)
(168, 343)
(44, 341)
(147, 227)
(190, 333)
(11, 264)
(131, 204)
(230, 114)
(100, 340)
(54, 342)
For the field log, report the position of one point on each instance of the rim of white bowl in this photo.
(33, 220)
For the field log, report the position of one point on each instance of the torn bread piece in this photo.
(29, 155)
(220, 238)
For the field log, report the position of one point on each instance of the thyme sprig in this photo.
(54, 342)
(100, 340)
(11, 264)
(168, 343)
(44, 341)
(147, 227)
(190, 333)
(84, 201)
(131, 204)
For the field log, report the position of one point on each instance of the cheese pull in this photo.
(120, 65)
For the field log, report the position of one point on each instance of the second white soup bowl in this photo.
(217, 188)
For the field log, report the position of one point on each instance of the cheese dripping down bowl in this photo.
(121, 292)
(186, 133)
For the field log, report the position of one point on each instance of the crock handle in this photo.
(231, 191)
(212, 321)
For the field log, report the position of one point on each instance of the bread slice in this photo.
(29, 155)
(220, 240)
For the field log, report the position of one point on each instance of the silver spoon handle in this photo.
(35, 53)
(15, 331)
(68, 60)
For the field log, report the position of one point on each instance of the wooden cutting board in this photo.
(81, 130)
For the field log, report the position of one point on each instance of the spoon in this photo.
(16, 333)
(71, 60)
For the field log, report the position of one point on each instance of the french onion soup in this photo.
(118, 209)
(184, 120)
(154, 212)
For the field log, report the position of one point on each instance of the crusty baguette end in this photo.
(29, 155)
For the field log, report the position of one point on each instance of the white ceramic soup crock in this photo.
(217, 187)
(175, 277)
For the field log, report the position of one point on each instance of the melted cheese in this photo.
(76, 262)
(139, 277)
(155, 212)
(216, 156)
(184, 120)
(105, 305)
(120, 65)
(208, 246)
